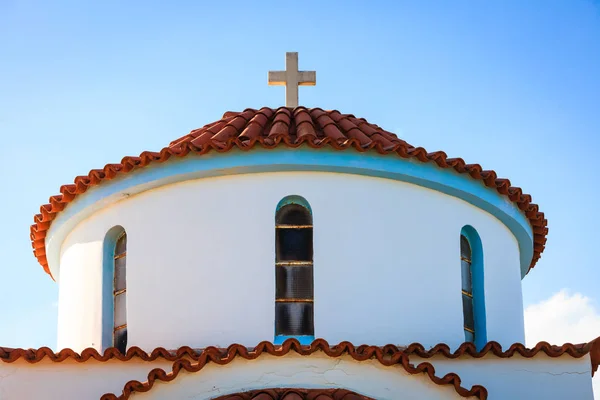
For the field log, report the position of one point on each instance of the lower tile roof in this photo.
(361, 353)
(286, 127)
(295, 394)
(32, 356)
(387, 355)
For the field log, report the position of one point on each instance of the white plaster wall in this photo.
(368, 378)
(541, 377)
(517, 378)
(70, 380)
(201, 263)
(91, 380)
(79, 297)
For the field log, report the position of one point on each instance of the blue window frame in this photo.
(114, 300)
(472, 287)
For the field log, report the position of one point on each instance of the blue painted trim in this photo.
(304, 340)
(428, 175)
(108, 274)
(477, 281)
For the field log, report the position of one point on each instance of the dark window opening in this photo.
(294, 244)
(293, 214)
(121, 340)
(294, 282)
(294, 292)
(294, 319)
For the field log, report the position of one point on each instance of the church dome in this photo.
(248, 245)
(285, 127)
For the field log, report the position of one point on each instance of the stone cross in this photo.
(291, 78)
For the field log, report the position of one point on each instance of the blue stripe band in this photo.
(235, 161)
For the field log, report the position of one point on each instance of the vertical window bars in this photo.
(294, 293)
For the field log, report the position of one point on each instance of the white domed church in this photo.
(292, 253)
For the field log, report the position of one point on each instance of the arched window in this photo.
(467, 289)
(294, 292)
(473, 295)
(120, 293)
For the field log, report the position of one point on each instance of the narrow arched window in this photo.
(467, 289)
(473, 293)
(120, 293)
(294, 291)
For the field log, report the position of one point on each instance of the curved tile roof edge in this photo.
(359, 354)
(270, 128)
(32, 356)
(362, 352)
(295, 394)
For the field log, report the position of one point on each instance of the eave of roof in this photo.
(32, 356)
(362, 353)
(386, 355)
(269, 128)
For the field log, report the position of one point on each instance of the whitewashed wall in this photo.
(541, 377)
(517, 378)
(70, 380)
(201, 263)
(368, 378)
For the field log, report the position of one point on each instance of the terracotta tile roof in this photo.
(594, 349)
(387, 355)
(295, 394)
(270, 128)
(393, 356)
(9, 355)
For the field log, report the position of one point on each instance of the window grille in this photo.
(294, 293)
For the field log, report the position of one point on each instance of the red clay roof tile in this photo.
(593, 348)
(387, 355)
(269, 128)
(361, 353)
(9, 355)
(295, 394)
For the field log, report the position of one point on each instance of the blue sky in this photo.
(511, 85)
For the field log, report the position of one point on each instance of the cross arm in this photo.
(307, 78)
(277, 78)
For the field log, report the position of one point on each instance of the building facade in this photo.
(293, 253)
